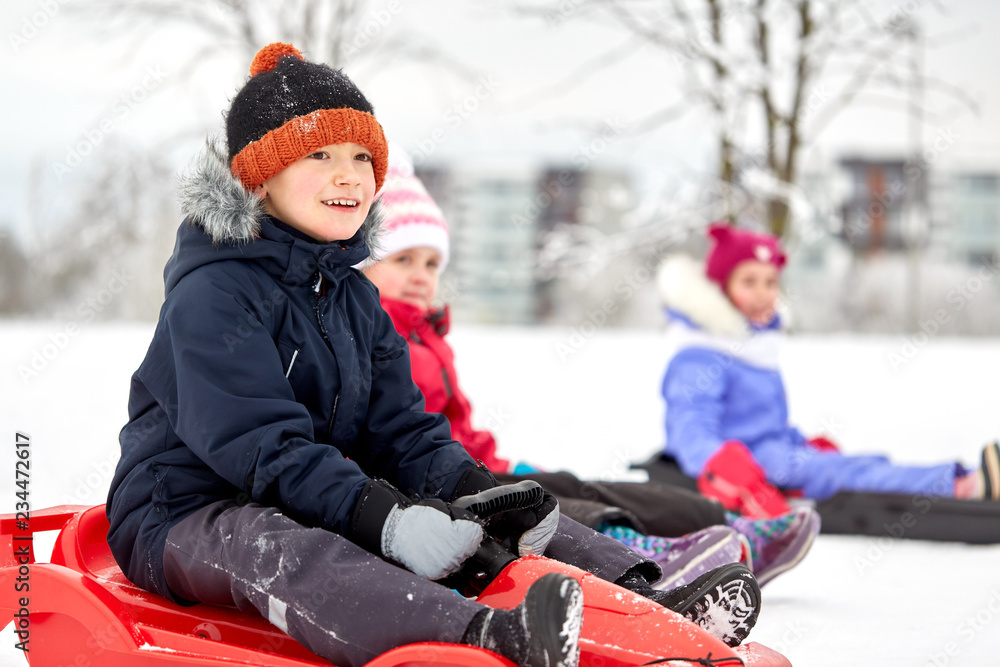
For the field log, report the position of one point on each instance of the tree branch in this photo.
(661, 117)
(763, 50)
(850, 90)
(581, 74)
(412, 47)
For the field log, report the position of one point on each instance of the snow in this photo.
(587, 400)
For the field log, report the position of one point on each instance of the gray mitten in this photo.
(429, 538)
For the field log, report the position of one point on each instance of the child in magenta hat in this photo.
(727, 414)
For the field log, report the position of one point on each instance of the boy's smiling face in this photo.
(326, 194)
(409, 275)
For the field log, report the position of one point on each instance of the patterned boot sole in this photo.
(553, 611)
(726, 605)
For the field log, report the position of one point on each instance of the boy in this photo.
(277, 455)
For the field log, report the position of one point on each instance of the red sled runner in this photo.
(79, 609)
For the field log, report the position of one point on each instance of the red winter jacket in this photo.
(433, 367)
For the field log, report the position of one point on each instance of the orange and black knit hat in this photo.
(291, 107)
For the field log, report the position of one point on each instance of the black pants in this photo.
(660, 509)
(332, 596)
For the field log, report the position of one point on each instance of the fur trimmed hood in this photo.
(212, 198)
(708, 320)
(686, 290)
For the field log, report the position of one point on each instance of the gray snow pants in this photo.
(332, 596)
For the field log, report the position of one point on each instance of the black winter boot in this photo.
(542, 631)
(725, 601)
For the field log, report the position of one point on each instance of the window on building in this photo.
(982, 183)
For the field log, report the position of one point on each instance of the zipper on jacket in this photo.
(318, 289)
(333, 415)
(447, 382)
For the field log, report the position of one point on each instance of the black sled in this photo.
(903, 516)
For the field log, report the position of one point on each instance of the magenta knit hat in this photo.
(733, 246)
(411, 218)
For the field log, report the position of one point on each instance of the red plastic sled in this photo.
(82, 611)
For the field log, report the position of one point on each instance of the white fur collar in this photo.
(684, 288)
(715, 323)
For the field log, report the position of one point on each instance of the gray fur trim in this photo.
(372, 228)
(215, 200)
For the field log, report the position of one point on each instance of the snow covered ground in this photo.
(588, 401)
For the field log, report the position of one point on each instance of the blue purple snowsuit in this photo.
(721, 387)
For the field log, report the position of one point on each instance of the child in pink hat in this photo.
(727, 415)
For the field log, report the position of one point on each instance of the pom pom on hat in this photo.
(291, 107)
(733, 245)
(411, 218)
(267, 58)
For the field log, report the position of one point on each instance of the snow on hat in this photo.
(733, 246)
(411, 217)
(289, 108)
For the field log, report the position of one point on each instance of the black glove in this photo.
(429, 537)
(523, 516)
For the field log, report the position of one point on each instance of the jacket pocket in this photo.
(182, 488)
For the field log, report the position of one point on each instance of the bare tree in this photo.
(122, 218)
(770, 74)
(15, 296)
(119, 224)
(335, 32)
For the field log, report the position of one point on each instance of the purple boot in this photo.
(684, 559)
(777, 544)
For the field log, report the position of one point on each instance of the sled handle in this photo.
(17, 531)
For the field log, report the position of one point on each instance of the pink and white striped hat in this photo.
(411, 218)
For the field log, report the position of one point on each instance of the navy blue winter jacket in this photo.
(274, 376)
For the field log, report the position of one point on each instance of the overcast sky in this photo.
(65, 87)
